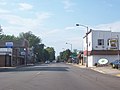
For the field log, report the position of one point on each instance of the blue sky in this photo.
(54, 20)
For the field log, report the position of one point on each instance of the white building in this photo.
(101, 44)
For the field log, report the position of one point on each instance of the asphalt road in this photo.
(56, 77)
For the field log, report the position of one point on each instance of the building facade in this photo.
(13, 53)
(100, 44)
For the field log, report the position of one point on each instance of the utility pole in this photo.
(118, 47)
(70, 45)
(86, 42)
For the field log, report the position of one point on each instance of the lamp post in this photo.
(86, 42)
(70, 45)
(25, 56)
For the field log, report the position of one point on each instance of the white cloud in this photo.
(50, 32)
(13, 30)
(25, 6)
(115, 26)
(107, 3)
(4, 11)
(70, 28)
(20, 24)
(68, 5)
(3, 3)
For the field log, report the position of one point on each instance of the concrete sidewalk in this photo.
(6, 68)
(13, 67)
(105, 70)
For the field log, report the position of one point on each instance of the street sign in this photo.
(9, 44)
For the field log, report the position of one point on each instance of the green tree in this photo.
(8, 37)
(64, 56)
(39, 52)
(33, 40)
(46, 55)
(51, 52)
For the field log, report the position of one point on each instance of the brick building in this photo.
(13, 53)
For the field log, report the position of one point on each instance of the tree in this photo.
(8, 37)
(46, 55)
(51, 52)
(39, 52)
(33, 40)
(65, 55)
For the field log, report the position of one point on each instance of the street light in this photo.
(70, 45)
(25, 50)
(63, 49)
(86, 41)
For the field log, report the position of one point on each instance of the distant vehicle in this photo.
(54, 61)
(116, 64)
(47, 62)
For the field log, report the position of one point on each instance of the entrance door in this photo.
(7, 61)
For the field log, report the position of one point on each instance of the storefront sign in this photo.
(9, 44)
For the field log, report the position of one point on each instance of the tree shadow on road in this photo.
(41, 68)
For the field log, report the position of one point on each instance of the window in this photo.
(100, 41)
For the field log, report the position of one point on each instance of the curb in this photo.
(77, 65)
(98, 70)
(95, 69)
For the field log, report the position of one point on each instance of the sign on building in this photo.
(9, 44)
(102, 61)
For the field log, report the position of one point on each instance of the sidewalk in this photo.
(13, 67)
(6, 68)
(105, 70)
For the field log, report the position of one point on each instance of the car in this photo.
(54, 61)
(47, 62)
(115, 64)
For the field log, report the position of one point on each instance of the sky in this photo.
(54, 20)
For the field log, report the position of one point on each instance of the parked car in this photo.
(54, 61)
(116, 64)
(47, 62)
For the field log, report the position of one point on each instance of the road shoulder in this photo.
(104, 70)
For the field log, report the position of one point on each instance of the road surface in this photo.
(57, 76)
